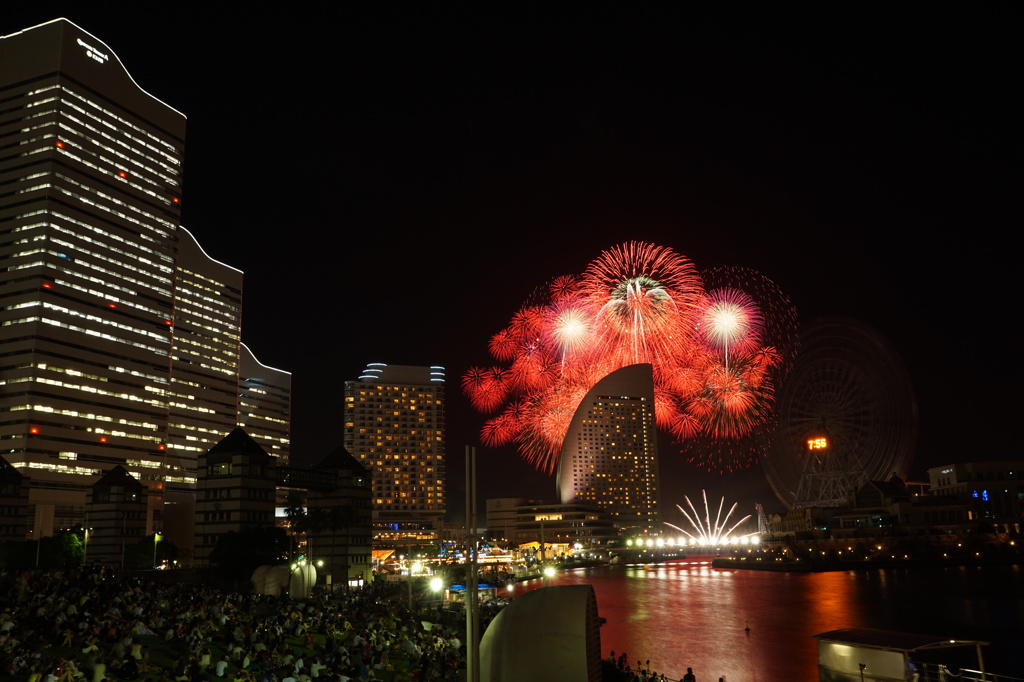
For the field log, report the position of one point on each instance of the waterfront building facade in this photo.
(991, 491)
(609, 457)
(563, 528)
(501, 516)
(394, 426)
(119, 336)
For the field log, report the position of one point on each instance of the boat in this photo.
(869, 654)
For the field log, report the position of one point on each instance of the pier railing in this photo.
(926, 672)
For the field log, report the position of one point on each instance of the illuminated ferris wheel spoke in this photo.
(848, 393)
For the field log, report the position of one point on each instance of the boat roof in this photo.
(892, 640)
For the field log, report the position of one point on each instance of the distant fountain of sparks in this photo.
(708, 533)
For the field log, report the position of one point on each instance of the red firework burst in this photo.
(727, 444)
(636, 302)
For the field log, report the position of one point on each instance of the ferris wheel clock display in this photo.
(847, 414)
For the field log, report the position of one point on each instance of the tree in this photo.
(297, 517)
(238, 554)
(62, 550)
(140, 554)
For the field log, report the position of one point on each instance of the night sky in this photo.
(395, 181)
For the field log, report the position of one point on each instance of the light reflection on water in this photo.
(693, 615)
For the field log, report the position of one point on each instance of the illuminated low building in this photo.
(502, 516)
(990, 491)
(564, 526)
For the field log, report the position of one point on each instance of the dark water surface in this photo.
(693, 615)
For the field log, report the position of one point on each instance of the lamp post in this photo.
(548, 572)
(437, 588)
(156, 539)
(413, 566)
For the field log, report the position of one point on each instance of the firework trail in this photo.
(637, 302)
(707, 532)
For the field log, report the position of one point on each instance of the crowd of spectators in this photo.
(85, 625)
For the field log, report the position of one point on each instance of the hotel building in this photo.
(394, 425)
(609, 457)
(119, 337)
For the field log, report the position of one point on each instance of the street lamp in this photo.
(549, 572)
(413, 567)
(156, 539)
(437, 586)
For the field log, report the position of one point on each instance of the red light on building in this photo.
(161, 447)
(176, 200)
(122, 174)
(103, 439)
(59, 144)
(111, 305)
(34, 430)
(47, 285)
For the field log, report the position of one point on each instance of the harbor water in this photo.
(757, 625)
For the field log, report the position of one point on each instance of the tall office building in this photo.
(202, 396)
(394, 425)
(264, 405)
(119, 336)
(610, 454)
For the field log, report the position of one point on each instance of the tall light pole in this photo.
(412, 566)
(156, 539)
(472, 605)
(548, 572)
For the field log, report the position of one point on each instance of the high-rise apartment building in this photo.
(119, 337)
(394, 425)
(609, 457)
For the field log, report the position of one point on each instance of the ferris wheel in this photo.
(847, 414)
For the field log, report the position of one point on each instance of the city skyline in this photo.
(862, 168)
(121, 336)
